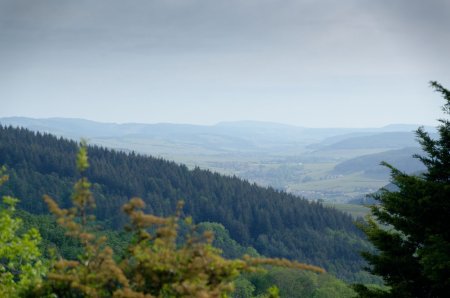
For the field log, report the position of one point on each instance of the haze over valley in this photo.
(333, 165)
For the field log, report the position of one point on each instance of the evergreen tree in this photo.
(410, 227)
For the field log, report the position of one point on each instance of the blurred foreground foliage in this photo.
(21, 265)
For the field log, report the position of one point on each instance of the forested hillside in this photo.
(277, 224)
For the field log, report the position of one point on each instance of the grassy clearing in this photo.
(349, 183)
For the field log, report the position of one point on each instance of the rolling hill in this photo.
(385, 140)
(369, 165)
(277, 224)
(224, 137)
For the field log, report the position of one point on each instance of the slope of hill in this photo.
(370, 166)
(275, 223)
(386, 140)
(223, 137)
(229, 137)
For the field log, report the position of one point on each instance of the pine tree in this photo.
(410, 226)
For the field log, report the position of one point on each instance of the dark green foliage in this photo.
(222, 240)
(277, 224)
(414, 243)
(54, 236)
(292, 284)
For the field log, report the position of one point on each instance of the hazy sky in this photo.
(304, 62)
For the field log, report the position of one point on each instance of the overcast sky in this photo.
(306, 62)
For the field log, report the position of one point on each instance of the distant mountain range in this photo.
(243, 136)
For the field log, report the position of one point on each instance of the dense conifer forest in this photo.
(275, 223)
